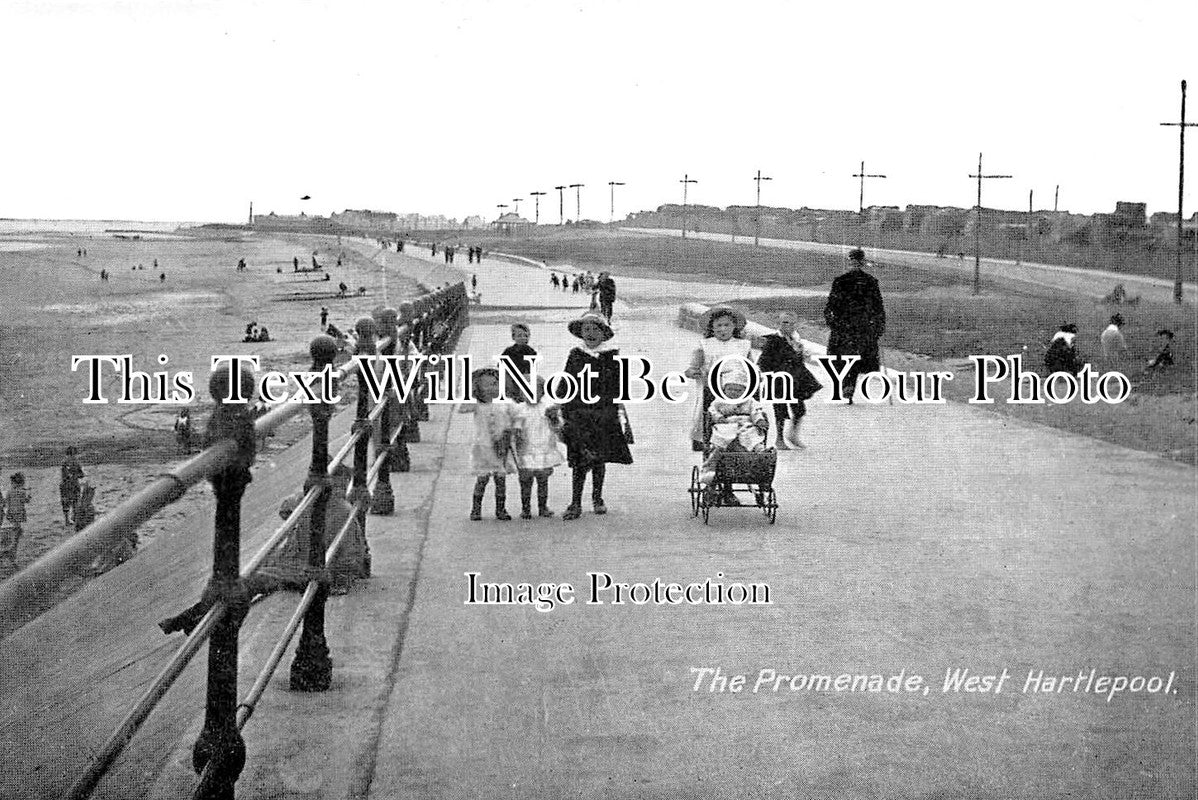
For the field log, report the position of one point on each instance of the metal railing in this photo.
(429, 324)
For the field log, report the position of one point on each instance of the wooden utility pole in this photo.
(1056, 196)
(577, 187)
(1181, 185)
(757, 229)
(686, 178)
(537, 197)
(612, 185)
(861, 196)
(561, 204)
(517, 200)
(977, 229)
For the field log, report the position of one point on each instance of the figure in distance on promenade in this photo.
(857, 320)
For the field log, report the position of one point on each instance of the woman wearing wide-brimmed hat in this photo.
(593, 432)
(721, 339)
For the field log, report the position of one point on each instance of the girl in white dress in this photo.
(721, 338)
(536, 427)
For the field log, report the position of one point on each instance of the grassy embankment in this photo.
(934, 322)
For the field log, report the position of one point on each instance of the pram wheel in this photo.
(696, 491)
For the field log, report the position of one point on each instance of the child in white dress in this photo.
(536, 431)
(491, 456)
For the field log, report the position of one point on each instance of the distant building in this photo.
(511, 225)
(474, 222)
(367, 220)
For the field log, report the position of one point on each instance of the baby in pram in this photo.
(737, 426)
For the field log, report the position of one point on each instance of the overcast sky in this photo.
(152, 109)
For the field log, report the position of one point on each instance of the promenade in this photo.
(909, 540)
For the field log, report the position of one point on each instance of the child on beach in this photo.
(737, 425)
(593, 432)
(1165, 357)
(520, 354)
(18, 498)
(491, 457)
(68, 485)
(536, 428)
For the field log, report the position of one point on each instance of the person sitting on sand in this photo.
(1113, 343)
(1061, 355)
(1165, 357)
(263, 335)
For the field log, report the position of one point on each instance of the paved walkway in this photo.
(912, 539)
(909, 540)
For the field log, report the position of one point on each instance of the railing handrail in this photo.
(30, 592)
(210, 620)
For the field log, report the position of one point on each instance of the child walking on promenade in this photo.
(14, 506)
(593, 434)
(519, 352)
(537, 426)
(491, 456)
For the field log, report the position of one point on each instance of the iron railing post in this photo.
(312, 669)
(383, 501)
(366, 329)
(220, 746)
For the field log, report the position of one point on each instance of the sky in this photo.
(169, 110)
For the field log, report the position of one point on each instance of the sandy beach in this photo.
(56, 307)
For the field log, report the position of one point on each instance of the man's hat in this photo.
(575, 326)
(857, 254)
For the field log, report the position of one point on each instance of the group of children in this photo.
(524, 434)
(1062, 354)
(76, 494)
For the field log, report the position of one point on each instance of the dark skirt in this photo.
(594, 435)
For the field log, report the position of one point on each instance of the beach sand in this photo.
(54, 306)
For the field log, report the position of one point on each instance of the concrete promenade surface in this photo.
(910, 540)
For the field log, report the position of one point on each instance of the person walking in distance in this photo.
(857, 319)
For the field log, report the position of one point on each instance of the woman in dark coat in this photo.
(593, 432)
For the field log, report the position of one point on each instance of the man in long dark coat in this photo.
(607, 294)
(857, 318)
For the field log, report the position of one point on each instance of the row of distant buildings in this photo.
(365, 219)
(1128, 223)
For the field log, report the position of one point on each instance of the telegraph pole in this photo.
(537, 197)
(577, 187)
(977, 229)
(757, 230)
(861, 197)
(517, 200)
(1181, 185)
(1056, 196)
(612, 185)
(685, 180)
(561, 205)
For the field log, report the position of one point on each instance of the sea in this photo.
(86, 227)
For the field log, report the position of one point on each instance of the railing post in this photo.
(383, 501)
(409, 322)
(220, 744)
(365, 329)
(312, 669)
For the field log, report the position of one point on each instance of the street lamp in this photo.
(613, 185)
